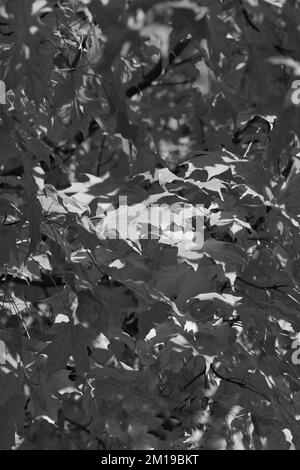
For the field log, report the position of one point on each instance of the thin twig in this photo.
(272, 287)
(240, 383)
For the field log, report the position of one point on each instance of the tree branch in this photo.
(157, 70)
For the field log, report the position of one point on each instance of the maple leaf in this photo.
(68, 340)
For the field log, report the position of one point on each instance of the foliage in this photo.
(142, 344)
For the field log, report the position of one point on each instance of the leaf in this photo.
(68, 340)
(8, 244)
(9, 386)
(46, 391)
(33, 214)
(205, 78)
(12, 419)
(31, 56)
(231, 255)
(65, 90)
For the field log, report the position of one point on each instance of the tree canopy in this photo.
(144, 342)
